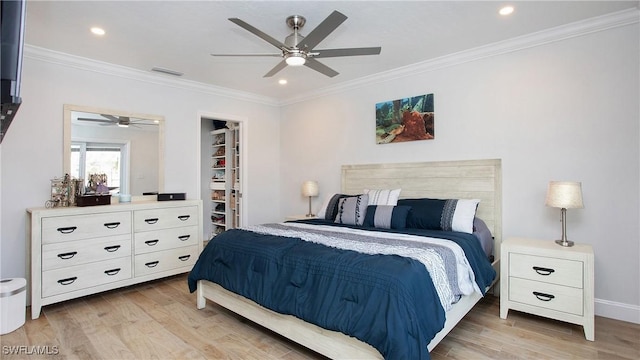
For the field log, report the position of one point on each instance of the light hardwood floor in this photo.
(159, 320)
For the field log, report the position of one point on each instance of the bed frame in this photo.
(472, 179)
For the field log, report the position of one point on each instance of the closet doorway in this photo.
(221, 174)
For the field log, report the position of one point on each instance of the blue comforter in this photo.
(387, 301)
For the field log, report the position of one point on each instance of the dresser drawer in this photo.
(154, 219)
(545, 295)
(80, 277)
(75, 227)
(165, 260)
(546, 269)
(71, 253)
(157, 240)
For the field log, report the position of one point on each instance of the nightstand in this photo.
(299, 217)
(542, 278)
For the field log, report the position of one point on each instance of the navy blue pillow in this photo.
(424, 214)
(386, 216)
(441, 214)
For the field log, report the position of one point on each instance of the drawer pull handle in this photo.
(184, 217)
(151, 221)
(543, 296)
(112, 272)
(543, 271)
(184, 257)
(151, 242)
(68, 281)
(67, 230)
(184, 237)
(152, 264)
(112, 248)
(112, 225)
(67, 256)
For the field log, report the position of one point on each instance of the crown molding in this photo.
(559, 33)
(85, 64)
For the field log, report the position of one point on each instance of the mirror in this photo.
(126, 147)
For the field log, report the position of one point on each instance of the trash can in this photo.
(13, 303)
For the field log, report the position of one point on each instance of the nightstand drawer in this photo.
(548, 296)
(546, 269)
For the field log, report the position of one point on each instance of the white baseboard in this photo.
(618, 311)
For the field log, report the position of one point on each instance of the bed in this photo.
(473, 179)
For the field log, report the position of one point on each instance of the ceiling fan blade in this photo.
(278, 55)
(95, 120)
(110, 117)
(281, 65)
(323, 30)
(258, 33)
(347, 52)
(320, 67)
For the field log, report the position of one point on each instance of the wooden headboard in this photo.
(469, 179)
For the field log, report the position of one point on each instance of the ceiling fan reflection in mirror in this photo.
(121, 121)
(299, 50)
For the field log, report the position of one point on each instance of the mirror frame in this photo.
(68, 108)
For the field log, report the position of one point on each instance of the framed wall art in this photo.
(407, 119)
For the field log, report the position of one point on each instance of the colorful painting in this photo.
(405, 119)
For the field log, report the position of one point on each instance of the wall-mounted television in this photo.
(12, 19)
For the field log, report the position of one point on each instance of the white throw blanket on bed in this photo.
(431, 259)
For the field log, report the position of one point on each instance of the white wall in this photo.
(32, 149)
(566, 110)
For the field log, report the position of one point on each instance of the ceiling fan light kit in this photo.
(295, 59)
(298, 50)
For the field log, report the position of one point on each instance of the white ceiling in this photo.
(181, 35)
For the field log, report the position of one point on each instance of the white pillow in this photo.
(463, 216)
(323, 210)
(352, 210)
(383, 196)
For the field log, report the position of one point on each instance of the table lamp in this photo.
(310, 189)
(564, 195)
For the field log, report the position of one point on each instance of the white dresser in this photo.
(78, 251)
(543, 278)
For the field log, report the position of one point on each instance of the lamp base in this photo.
(310, 215)
(566, 243)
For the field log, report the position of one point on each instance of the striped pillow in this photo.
(383, 197)
(386, 216)
(351, 210)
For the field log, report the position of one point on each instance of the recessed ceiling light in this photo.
(282, 81)
(98, 31)
(507, 10)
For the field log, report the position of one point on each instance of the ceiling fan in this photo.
(122, 121)
(299, 50)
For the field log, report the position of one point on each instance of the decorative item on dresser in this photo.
(82, 251)
(541, 278)
(310, 189)
(564, 195)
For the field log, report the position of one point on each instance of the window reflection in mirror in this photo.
(110, 159)
(126, 147)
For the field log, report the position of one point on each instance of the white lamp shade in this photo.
(564, 194)
(310, 188)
